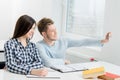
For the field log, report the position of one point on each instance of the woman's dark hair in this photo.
(43, 23)
(23, 25)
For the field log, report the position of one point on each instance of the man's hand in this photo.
(67, 62)
(108, 35)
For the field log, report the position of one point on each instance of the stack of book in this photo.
(99, 74)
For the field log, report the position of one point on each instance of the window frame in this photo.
(76, 36)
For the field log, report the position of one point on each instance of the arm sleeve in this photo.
(84, 42)
(38, 63)
(38, 58)
(48, 60)
(11, 62)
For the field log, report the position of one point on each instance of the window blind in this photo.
(85, 17)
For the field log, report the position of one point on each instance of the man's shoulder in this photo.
(40, 42)
(62, 39)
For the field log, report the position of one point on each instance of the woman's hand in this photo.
(39, 72)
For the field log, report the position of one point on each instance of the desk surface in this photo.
(5, 75)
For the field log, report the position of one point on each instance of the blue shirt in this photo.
(20, 59)
(55, 55)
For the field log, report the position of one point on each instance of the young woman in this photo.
(21, 55)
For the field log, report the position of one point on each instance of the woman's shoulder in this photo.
(10, 42)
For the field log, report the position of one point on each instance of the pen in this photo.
(44, 77)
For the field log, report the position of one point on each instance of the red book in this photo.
(109, 76)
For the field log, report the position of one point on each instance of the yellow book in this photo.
(93, 73)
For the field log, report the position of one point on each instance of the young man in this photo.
(52, 49)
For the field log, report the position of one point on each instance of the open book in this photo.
(69, 68)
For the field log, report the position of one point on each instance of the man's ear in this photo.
(43, 34)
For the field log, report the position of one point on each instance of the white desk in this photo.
(5, 75)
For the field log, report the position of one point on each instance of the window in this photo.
(84, 17)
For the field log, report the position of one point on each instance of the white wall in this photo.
(11, 10)
(5, 19)
(111, 51)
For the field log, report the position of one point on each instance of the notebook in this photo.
(51, 75)
(69, 68)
